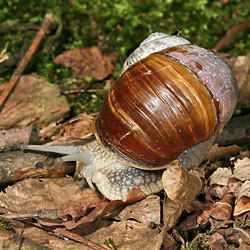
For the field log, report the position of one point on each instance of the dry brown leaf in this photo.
(231, 235)
(147, 211)
(99, 208)
(218, 191)
(217, 242)
(244, 190)
(84, 212)
(12, 241)
(244, 246)
(191, 221)
(78, 127)
(242, 169)
(87, 62)
(75, 205)
(104, 207)
(136, 226)
(135, 195)
(168, 243)
(218, 152)
(171, 212)
(197, 206)
(242, 206)
(223, 209)
(68, 203)
(180, 185)
(220, 176)
(245, 239)
(128, 235)
(35, 194)
(243, 199)
(181, 188)
(199, 215)
(49, 240)
(33, 100)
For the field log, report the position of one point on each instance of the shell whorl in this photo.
(152, 44)
(172, 96)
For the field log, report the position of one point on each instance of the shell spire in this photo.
(153, 43)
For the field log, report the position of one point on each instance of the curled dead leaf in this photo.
(223, 209)
(171, 212)
(242, 169)
(78, 127)
(181, 188)
(34, 100)
(146, 211)
(87, 62)
(217, 242)
(219, 152)
(135, 195)
(180, 185)
(199, 215)
(243, 200)
(220, 176)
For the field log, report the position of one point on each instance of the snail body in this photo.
(169, 102)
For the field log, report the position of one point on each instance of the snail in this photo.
(169, 102)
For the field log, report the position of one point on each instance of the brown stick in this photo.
(17, 165)
(230, 33)
(51, 214)
(48, 20)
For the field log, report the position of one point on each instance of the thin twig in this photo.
(4, 210)
(59, 232)
(78, 238)
(48, 20)
(42, 214)
(231, 33)
(16, 216)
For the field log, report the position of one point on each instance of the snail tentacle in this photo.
(84, 157)
(54, 149)
(72, 152)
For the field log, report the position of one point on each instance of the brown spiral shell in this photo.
(166, 103)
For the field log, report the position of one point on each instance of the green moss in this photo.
(117, 26)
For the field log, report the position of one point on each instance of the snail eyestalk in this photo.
(67, 150)
(84, 157)
(72, 152)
